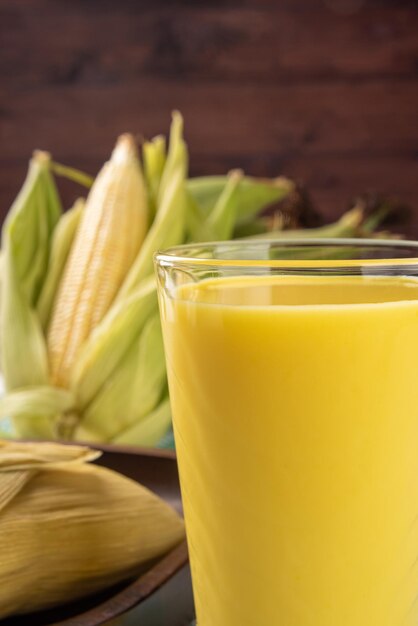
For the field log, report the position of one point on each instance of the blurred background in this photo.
(324, 91)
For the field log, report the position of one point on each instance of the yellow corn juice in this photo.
(295, 404)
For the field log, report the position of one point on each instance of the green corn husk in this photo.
(26, 240)
(140, 380)
(223, 216)
(169, 223)
(154, 158)
(109, 342)
(196, 222)
(29, 225)
(69, 529)
(150, 430)
(258, 226)
(349, 225)
(70, 173)
(254, 194)
(23, 351)
(33, 410)
(62, 240)
(177, 157)
(352, 225)
(218, 224)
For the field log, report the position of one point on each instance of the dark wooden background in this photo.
(322, 90)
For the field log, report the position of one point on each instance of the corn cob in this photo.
(110, 234)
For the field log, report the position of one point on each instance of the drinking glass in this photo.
(293, 377)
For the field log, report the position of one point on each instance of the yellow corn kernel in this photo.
(110, 234)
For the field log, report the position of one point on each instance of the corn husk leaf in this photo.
(34, 410)
(62, 240)
(223, 217)
(169, 223)
(347, 226)
(109, 342)
(196, 226)
(29, 225)
(73, 174)
(219, 224)
(132, 392)
(154, 159)
(177, 157)
(26, 239)
(23, 354)
(18, 456)
(73, 528)
(150, 429)
(44, 400)
(167, 230)
(254, 194)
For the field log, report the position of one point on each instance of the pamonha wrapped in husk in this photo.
(69, 528)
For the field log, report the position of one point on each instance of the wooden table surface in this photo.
(322, 90)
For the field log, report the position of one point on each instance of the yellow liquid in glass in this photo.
(295, 404)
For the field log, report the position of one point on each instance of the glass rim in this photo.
(186, 254)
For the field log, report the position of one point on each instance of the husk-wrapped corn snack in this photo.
(69, 528)
(79, 331)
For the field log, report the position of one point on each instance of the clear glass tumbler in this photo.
(293, 376)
